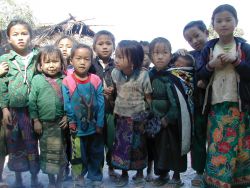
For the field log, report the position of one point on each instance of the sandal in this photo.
(36, 185)
(113, 175)
(197, 181)
(160, 181)
(138, 180)
(173, 183)
(3, 185)
(149, 178)
(122, 181)
(17, 185)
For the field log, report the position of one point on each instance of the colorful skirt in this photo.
(228, 157)
(52, 156)
(130, 150)
(22, 143)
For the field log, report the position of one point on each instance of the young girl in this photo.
(104, 45)
(15, 87)
(226, 62)
(46, 110)
(169, 152)
(65, 43)
(84, 105)
(133, 86)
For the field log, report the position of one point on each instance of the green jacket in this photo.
(15, 85)
(44, 102)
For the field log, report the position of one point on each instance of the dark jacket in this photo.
(105, 74)
(243, 68)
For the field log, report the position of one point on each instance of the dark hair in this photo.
(156, 41)
(47, 51)
(19, 22)
(188, 57)
(144, 43)
(222, 8)
(133, 51)
(103, 32)
(65, 37)
(79, 46)
(197, 23)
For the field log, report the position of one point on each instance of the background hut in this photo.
(48, 34)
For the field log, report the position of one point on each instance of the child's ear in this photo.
(70, 61)
(9, 41)
(39, 67)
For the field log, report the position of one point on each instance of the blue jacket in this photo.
(243, 68)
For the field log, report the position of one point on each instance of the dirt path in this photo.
(107, 183)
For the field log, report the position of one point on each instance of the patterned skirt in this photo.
(52, 156)
(22, 143)
(228, 157)
(130, 150)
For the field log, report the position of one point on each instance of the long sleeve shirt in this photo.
(84, 103)
(15, 85)
(44, 102)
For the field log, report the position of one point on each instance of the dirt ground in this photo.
(107, 183)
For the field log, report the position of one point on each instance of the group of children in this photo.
(76, 104)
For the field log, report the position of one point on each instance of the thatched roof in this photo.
(48, 34)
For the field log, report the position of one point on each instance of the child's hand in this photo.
(38, 126)
(227, 58)
(164, 122)
(63, 123)
(108, 90)
(98, 130)
(4, 68)
(201, 84)
(182, 52)
(73, 129)
(7, 118)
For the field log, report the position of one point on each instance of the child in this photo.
(133, 87)
(146, 60)
(46, 110)
(226, 64)
(22, 143)
(104, 45)
(3, 70)
(196, 34)
(65, 43)
(150, 141)
(170, 153)
(84, 105)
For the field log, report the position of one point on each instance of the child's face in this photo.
(161, 56)
(81, 61)
(146, 60)
(196, 38)
(19, 38)
(181, 62)
(104, 47)
(65, 46)
(51, 65)
(122, 62)
(224, 24)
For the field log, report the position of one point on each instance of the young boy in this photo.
(196, 34)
